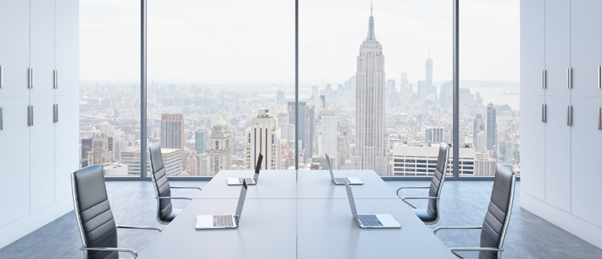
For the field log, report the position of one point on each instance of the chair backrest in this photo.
(499, 211)
(437, 181)
(93, 212)
(160, 183)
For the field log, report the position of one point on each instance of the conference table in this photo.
(296, 215)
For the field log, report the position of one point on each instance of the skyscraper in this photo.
(429, 72)
(220, 151)
(433, 134)
(329, 137)
(200, 140)
(491, 127)
(100, 153)
(172, 132)
(302, 125)
(476, 128)
(284, 123)
(263, 137)
(370, 147)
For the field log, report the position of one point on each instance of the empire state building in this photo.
(370, 148)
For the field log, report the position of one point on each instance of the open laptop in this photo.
(370, 221)
(341, 181)
(223, 221)
(250, 181)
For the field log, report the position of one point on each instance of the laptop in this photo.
(341, 181)
(250, 181)
(223, 221)
(370, 221)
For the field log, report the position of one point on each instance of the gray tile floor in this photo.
(463, 204)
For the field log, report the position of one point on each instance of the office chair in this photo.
(430, 215)
(94, 217)
(165, 212)
(495, 225)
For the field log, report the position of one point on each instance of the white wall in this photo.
(560, 172)
(36, 160)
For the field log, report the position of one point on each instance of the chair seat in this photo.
(171, 216)
(423, 215)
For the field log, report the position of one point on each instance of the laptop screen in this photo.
(258, 167)
(329, 167)
(351, 200)
(241, 199)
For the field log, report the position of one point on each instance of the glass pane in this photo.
(489, 85)
(221, 78)
(110, 86)
(385, 72)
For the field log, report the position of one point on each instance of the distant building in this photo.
(220, 151)
(420, 158)
(172, 131)
(100, 153)
(328, 141)
(263, 136)
(115, 169)
(491, 127)
(279, 97)
(287, 130)
(484, 165)
(433, 134)
(200, 140)
(172, 161)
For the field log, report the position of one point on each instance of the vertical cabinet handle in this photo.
(1, 78)
(55, 113)
(600, 77)
(544, 114)
(599, 118)
(569, 78)
(543, 79)
(56, 79)
(1, 119)
(569, 115)
(30, 81)
(30, 115)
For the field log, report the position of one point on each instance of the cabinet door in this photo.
(558, 46)
(14, 159)
(41, 153)
(586, 152)
(586, 47)
(67, 46)
(14, 47)
(532, 46)
(558, 153)
(66, 147)
(41, 47)
(532, 139)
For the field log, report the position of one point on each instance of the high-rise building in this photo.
(220, 151)
(370, 147)
(329, 137)
(433, 134)
(263, 136)
(491, 127)
(420, 158)
(484, 165)
(200, 140)
(100, 154)
(477, 126)
(172, 161)
(172, 131)
(429, 73)
(302, 124)
(279, 97)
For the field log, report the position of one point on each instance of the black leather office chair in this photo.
(94, 217)
(495, 225)
(430, 215)
(165, 212)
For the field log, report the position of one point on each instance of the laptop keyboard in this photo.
(340, 180)
(370, 221)
(223, 221)
(249, 180)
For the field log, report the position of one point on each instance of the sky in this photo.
(240, 41)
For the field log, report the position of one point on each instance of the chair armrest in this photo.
(111, 249)
(404, 200)
(139, 227)
(185, 187)
(469, 227)
(412, 187)
(490, 249)
(174, 198)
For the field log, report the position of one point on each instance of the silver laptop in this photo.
(341, 181)
(223, 221)
(250, 181)
(370, 221)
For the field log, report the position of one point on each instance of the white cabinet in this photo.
(41, 152)
(533, 145)
(557, 46)
(586, 47)
(67, 47)
(558, 153)
(41, 46)
(66, 148)
(586, 145)
(14, 159)
(14, 47)
(532, 47)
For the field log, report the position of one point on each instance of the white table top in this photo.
(317, 184)
(272, 184)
